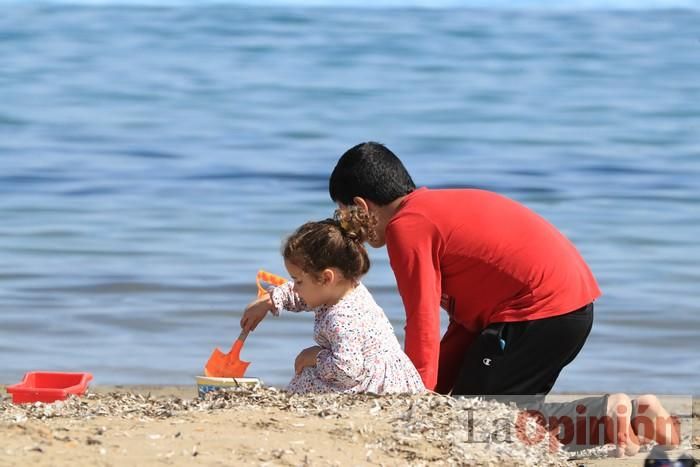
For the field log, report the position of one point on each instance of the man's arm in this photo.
(453, 346)
(413, 244)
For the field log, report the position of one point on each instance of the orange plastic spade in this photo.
(227, 365)
(230, 365)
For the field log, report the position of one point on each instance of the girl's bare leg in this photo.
(619, 410)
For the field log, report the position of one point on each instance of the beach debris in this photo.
(278, 453)
(420, 429)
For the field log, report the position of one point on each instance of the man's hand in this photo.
(306, 357)
(445, 302)
(255, 312)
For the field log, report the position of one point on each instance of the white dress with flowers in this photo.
(360, 352)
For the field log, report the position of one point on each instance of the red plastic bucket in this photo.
(48, 386)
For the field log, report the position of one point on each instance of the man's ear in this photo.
(327, 276)
(361, 203)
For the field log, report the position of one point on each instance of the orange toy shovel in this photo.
(227, 365)
(230, 365)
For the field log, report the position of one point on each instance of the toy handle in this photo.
(268, 278)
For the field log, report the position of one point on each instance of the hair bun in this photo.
(354, 223)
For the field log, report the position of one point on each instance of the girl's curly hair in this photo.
(336, 242)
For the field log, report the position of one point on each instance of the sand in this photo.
(266, 432)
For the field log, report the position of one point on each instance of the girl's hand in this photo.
(306, 357)
(255, 312)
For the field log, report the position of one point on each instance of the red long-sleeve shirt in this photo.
(497, 260)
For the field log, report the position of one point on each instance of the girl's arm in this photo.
(255, 312)
(284, 298)
(343, 363)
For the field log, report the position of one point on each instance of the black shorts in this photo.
(523, 358)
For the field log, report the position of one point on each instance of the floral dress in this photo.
(360, 352)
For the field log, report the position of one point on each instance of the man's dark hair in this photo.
(371, 171)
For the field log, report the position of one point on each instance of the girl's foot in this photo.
(622, 435)
(652, 422)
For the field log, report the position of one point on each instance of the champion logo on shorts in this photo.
(487, 361)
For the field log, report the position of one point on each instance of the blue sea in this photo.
(154, 155)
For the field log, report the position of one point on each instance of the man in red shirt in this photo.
(518, 294)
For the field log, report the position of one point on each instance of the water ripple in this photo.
(153, 158)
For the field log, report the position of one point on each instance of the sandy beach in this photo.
(169, 425)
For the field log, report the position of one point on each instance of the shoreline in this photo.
(259, 429)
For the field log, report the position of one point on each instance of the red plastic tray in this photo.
(47, 386)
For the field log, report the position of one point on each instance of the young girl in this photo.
(357, 350)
